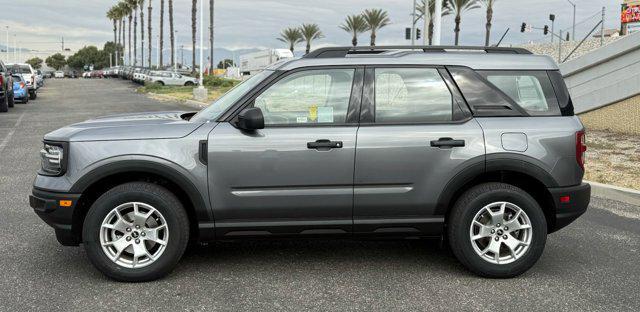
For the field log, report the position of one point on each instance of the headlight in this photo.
(52, 159)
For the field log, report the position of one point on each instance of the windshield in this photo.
(223, 103)
(20, 69)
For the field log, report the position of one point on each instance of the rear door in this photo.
(416, 134)
(295, 176)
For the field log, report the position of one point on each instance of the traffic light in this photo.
(418, 32)
(407, 33)
(552, 17)
(546, 29)
(523, 27)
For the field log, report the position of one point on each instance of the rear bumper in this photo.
(570, 203)
(47, 205)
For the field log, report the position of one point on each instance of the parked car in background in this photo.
(20, 89)
(96, 74)
(6, 88)
(169, 78)
(28, 74)
(58, 74)
(39, 78)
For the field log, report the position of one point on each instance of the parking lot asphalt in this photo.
(592, 265)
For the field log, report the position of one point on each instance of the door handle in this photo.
(324, 144)
(447, 143)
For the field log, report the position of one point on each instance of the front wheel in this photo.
(497, 230)
(136, 232)
(33, 95)
(188, 83)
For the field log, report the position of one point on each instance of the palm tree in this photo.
(489, 5)
(128, 11)
(432, 10)
(171, 33)
(310, 32)
(355, 25)
(122, 13)
(211, 16)
(112, 14)
(141, 6)
(149, 10)
(134, 10)
(291, 36)
(161, 61)
(194, 11)
(459, 6)
(376, 19)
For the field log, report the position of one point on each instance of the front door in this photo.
(415, 136)
(295, 176)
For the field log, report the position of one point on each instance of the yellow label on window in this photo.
(313, 112)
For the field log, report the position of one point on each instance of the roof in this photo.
(479, 58)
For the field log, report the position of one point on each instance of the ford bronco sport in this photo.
(477, 146)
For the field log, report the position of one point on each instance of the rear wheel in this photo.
(136, 232)
(497, 230)
(4, 105)
(12, 100)
(188, 83)
(33, 95)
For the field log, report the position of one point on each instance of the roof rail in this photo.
(337, 52)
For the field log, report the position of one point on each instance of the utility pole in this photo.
(573, 29)
(559, 47)
(552, 18)
(437, 22)
(15, 47)
(110, 59)
(602, 28)
(62, 43)
(182, 55)
(175, 55)
(413, 24)
(7, 47)
(158, 53)
(211, 33)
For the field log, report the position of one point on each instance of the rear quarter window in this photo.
(531, 90)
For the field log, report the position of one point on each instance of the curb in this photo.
(617, 193)
(191, 103)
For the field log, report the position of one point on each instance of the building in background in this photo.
(255, 62)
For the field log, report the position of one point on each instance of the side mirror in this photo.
(250, 119)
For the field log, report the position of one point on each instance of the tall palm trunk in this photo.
(430, 32)
(135, 38)
(149, 33)
(171, 33)
(130, 18)
(373, 38)
(488, 26)
(457, 29)
(115, 40)
(161, 61)
(211, 16)
(141, 36)
(194, 11)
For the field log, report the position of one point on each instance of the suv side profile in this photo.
(478, 146)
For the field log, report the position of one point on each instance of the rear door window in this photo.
(531, 90)
(411, 95)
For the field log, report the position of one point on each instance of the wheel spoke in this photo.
(512, 243)
(139, 218)
(485, 231)
(154, 234)
(497, 217)
(494, 247)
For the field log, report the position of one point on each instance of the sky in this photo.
(241, 24)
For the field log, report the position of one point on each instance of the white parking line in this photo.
(10, 134)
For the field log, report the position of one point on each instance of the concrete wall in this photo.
(623, 117)
(604, 76)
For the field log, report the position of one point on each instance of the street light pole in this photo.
(15, 51)
(201, 42)
(175, 55)
(437, 22)
(7, 47)
(573, 29)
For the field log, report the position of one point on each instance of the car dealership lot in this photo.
(590, 265)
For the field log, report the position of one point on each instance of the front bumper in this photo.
(570, 203)
(56, 209)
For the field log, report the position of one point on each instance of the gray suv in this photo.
(477, 146)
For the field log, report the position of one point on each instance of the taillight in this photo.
(22, 85)
(1, 81)
(581, 148)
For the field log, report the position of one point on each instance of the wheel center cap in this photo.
(135, 234)
(500, 232)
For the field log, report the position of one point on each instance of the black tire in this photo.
(188, 84)
(33, 95)
(160, 83)
(162, 200)
(4, 105)
(25, 100)
(463, 213)
(11, 101)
